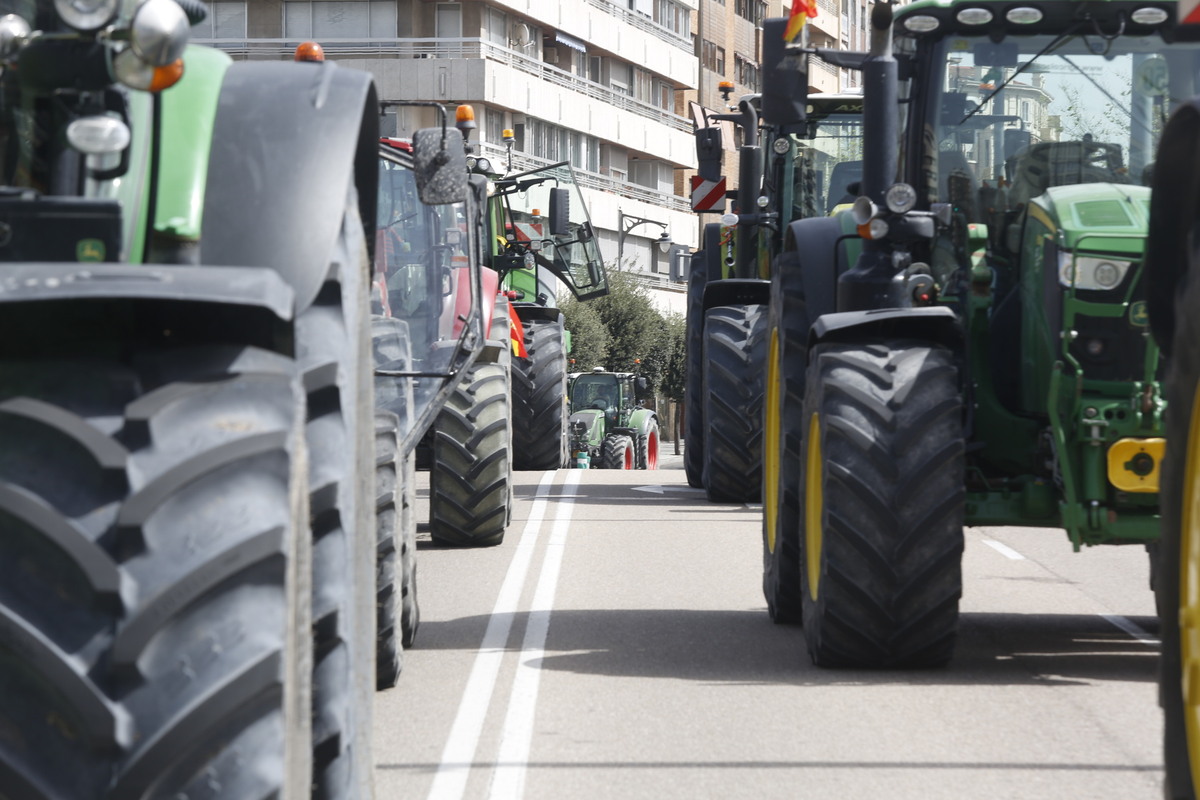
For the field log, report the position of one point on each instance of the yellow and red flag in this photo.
(802, 10)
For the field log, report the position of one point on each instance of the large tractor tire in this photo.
(539, 397)
(334, 345)
(616, 452)
(1179, 572)
(735, 346)
(470, 487)
(154, 570)
(646, 456)
(389, 653)
(883, 500)
(693, 390)
(787, 363)
(410, 609)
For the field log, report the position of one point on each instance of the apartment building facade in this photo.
(593, 82)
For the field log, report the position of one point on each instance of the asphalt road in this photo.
(617, 645)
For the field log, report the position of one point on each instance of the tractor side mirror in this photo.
(560, 212)
(708, 153)
(784, 81)
(440, 166)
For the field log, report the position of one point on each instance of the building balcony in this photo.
(473, 70)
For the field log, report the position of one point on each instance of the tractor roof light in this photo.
(159, 32)
(974, 16)
(309, 51)
(464, 117)
(921, 23)
(900, 198)
(1149, 16)
(88, 15)
(1024, 15)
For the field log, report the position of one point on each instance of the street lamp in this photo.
(627, 222)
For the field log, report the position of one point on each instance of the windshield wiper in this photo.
(1054, 43)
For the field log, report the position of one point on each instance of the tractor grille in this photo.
(1109, 348)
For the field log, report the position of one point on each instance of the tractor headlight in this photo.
(14, 31)
(159, 32)
(87, 15)
(900, 198)
(1090, 272)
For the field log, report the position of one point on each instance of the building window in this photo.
(673, 16)
(345, 19)
(496, 24)
(449, 21)
(713, 57)
(553, 143)
(224, 21)
(746, 73)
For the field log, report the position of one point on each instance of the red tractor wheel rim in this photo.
(652, 451)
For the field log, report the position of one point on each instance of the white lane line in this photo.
(450, 782)
(508, 780)
(1003, 549)
(1127, 625)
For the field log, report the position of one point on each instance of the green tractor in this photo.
(609, 427)
(977, 349)
(194, 473)
(807, 170)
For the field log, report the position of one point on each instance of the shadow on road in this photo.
(744, 647)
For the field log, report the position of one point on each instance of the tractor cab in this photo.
(424, 275)
(545, 225)
(610, 392)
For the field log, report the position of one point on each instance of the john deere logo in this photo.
(1138, 316)
(89, 250)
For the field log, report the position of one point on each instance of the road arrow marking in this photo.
(661, 489)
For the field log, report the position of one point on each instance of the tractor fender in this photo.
(935, 324)
(811, 246)
(736, 292)
(290, 140)
(252, 304)
(533, 311)
(641, 418)
(1173, 210)
(499, 337)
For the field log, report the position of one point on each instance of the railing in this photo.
(455, 48)
(523, 162)
(642, 22)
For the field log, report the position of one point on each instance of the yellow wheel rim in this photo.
(1189, 592)
(813, 505)
(771, 444)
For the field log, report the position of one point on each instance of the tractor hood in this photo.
(1107, 217)
(593, 422)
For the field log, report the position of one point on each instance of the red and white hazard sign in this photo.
(529, 232)
(708, 195)
(1188, 12)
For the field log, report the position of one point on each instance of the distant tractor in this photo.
(609, 427)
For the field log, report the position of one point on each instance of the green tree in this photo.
(589, 338)
(675, 372)
(634, 337)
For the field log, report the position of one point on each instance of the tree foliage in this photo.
(632, 336)
(589, 338)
